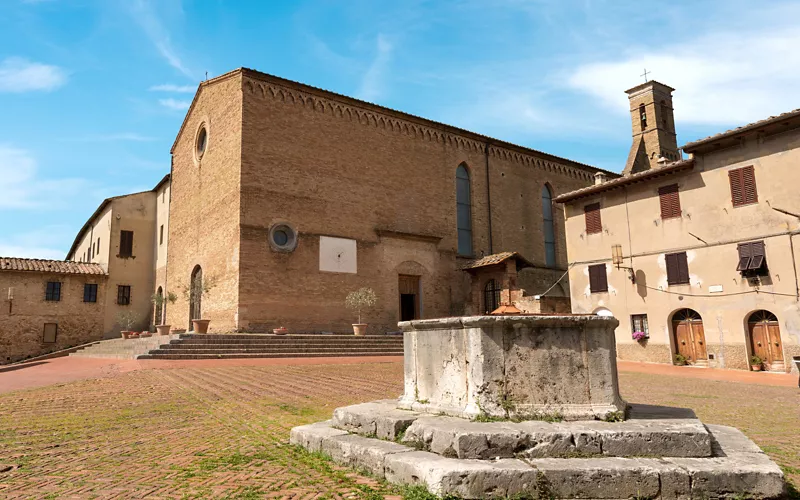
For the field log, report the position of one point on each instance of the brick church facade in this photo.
(287, 197)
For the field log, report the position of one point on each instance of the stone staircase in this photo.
(209, 346)
(123, 348)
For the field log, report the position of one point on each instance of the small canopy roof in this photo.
(494, 259)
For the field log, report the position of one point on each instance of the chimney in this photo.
(599, 178)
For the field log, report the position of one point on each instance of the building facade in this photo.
(285, 197)
(49, 305)
(695, 256)
(126, 236)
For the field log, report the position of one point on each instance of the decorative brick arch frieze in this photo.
(367, 117)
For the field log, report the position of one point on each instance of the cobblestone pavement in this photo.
(221, 431)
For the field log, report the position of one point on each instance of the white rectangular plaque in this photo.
(715, 288)
(337, 255)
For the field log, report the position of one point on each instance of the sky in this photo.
(92, 92)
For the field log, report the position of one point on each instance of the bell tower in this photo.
(653, 127)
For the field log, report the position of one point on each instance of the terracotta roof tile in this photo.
(744, 128)
(496, 258)
(50, 266)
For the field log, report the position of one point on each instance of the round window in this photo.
(202, 141)
(282, 237)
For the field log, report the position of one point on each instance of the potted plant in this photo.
(359, 301)
(158, 301)
(639, 336)
(680, 360)
(196, 294)
(126, 320)
(756, 363)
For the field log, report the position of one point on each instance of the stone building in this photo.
(706, 263)
(126, 236)
(286, 197)
(47, 305)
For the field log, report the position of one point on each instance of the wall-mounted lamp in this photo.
(618, 259)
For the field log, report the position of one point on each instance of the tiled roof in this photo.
(49, 266)
(744, 128)
(497, 258)
(622, 181)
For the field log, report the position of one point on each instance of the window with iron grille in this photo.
(670, 202)
(53, 291)
(491, 296)
(743, 186)
(752, 259)
(639, 324)
(123, 295)
(50, 333)
(598, 279)
(592, 215)
(90, 292)
(126, 243)
(677, 268)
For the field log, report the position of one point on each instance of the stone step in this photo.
(182, 345)
(336, 354)
(268, 350)
(279, 340)
(245, 336)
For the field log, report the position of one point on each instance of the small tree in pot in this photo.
(359, 301)
(158, 301)
(196, 295)
(126, 320)
(756, 363)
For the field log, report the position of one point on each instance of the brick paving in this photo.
(219, 429)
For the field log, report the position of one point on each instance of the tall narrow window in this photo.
(743, 186)
(677, 268)
(549, 228)
(98, 246)
(463, 211)
(664, 114)
(126, 243)
(123, 295)
(90, 292)
(598, 279)
(670, 202)
(161, 235)
(592, 216)
(643, 116)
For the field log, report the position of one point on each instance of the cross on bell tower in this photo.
(645, 75)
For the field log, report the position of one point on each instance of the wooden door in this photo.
(699, 340)
(765, 338)
(690, 339)
(759, 338)
(683, 339)
(775, 347)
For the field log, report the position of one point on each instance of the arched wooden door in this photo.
(195, 295)
(690, 340)
(765, 339)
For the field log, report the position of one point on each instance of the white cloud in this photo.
(22, 188)
(144, 13)
(175, 104)
(21, 75)
(720, 78)
(168, 87)
(372, 84)
(48, 242)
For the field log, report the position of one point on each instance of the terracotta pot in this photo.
(145, 334)
(359, 328)
(125, 334)
(200, 325)
(133, 335)
(755, 368)
(280, 331)
(163, 329)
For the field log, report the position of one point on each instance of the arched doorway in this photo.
(764, 334)
(195, 295)
(690, 340)
(159, 303)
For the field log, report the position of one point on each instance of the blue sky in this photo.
(92, 92)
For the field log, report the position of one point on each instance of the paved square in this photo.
(222, 432)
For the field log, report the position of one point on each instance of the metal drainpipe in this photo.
(794, 266)
(488, 198)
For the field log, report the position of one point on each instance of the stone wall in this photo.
(22, 319)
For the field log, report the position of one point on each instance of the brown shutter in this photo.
(598, 280)
(683, 268)
(672, 268)
(670, 201)
(592, 215)
(737, 193)
(745, 257)
(757, 251)
(749, 185)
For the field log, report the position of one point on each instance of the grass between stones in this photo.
(223, 432)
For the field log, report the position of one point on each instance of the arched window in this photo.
(491, 296)
(664, 113)
(196, 294)
(549, 229)
(463, 211)
(643, 116)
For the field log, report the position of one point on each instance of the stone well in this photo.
(512, 367)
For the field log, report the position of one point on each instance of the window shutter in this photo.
(683, 268)
(592, 214)
(677, 268)
(670, 201)
(744, 257)
(749, 185)
(737, 194)
(757, 252)
(598, 280)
